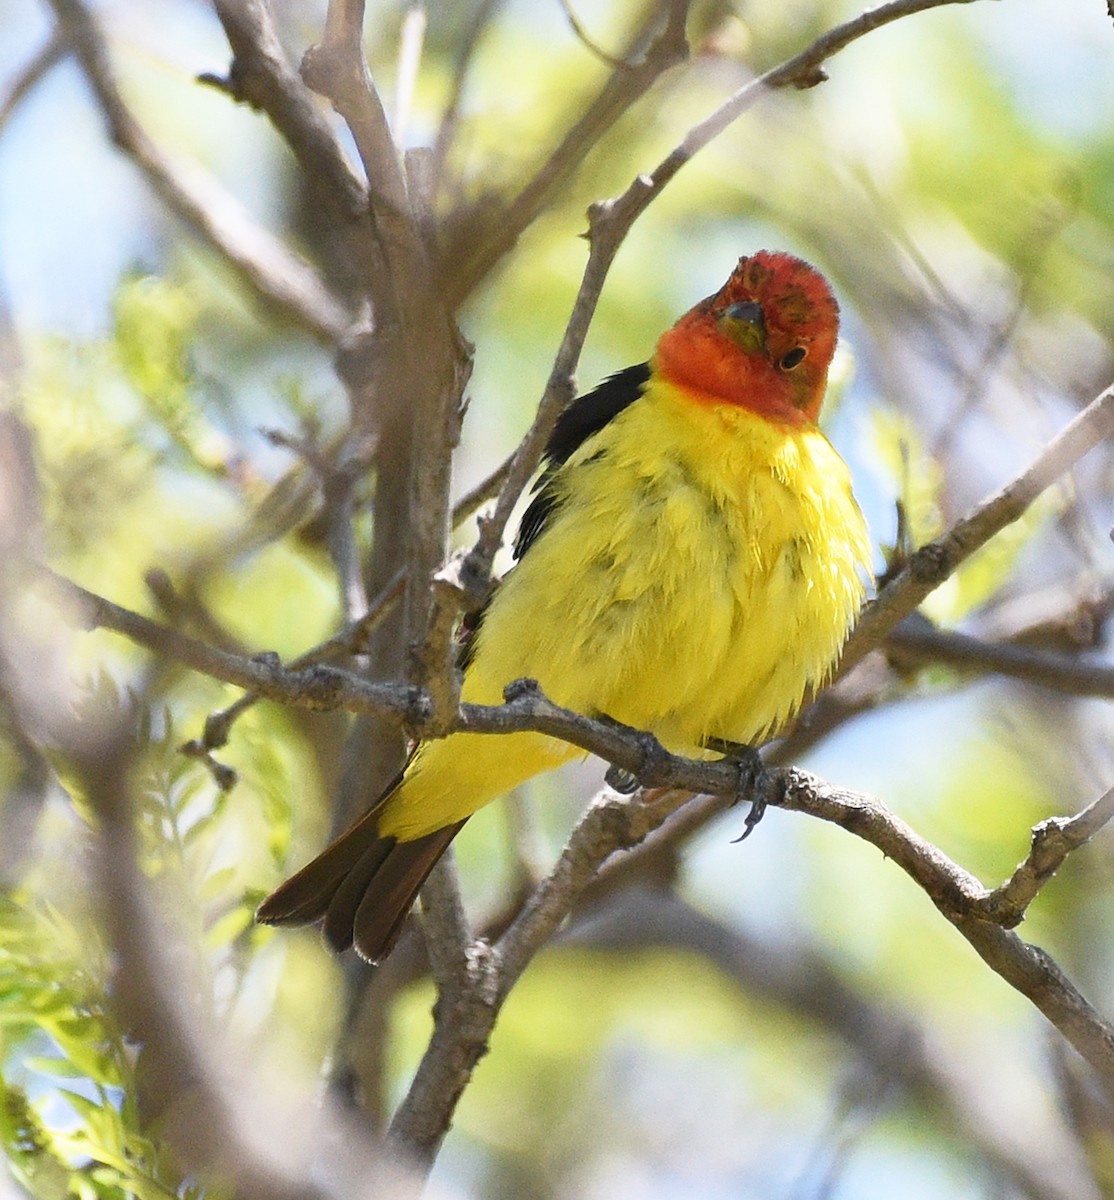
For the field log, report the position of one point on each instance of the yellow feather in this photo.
(698, 576)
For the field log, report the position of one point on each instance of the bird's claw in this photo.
(748, 764)
(621, 780)
(757, 812)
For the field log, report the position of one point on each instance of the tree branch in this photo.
(802, 71)
(262, 261)
(262, 76)
(895, 1046)
(959, 896)
(963, 901)
(615, 822)
(611, 823)
(417, 355)
(351, 640)
(934, 562)
(336, 69)
(1053, 840)
(921, 641)
(317, 688)
(465, 1017)
(627, 83)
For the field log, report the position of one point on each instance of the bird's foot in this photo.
(748, 763)
(620, 780)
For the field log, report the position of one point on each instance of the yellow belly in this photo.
(698, 576)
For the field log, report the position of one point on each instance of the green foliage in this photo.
(54, 1003)
(71, 1083)
(35, 1161)
(95, 474)
(154, 327)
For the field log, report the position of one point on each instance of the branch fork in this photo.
(1052, 841)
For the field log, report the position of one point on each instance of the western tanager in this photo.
(690, 565)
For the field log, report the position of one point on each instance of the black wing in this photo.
(585, 416)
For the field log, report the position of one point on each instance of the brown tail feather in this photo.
(362, 885)
(375, 919)
(340, 917)
(306, 896)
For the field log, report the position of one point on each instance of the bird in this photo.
(690, 564)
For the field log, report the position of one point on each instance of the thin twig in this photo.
(559, 391)
(317, 688)
(265, 263)
(937, 560)
(487, 489)
(52, 51)
(582, 36)
(336, 68)
(1071, 613)
(352, 639)
(963, 901)
(263, 77)
(1038, 240)
(436, 659)
(626, 85)
(339, 469)
(1053, 840)
(921, 641)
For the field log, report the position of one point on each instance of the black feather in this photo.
(466, 635)
(585, 416)
(589, 413)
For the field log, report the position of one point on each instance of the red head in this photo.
(764, 341)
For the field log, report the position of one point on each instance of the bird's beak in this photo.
(745, 324)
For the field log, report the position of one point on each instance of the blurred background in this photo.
(787, 1018)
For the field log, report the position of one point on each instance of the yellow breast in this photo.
(700, 573)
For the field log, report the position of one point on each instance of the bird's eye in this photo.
(793, 358)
